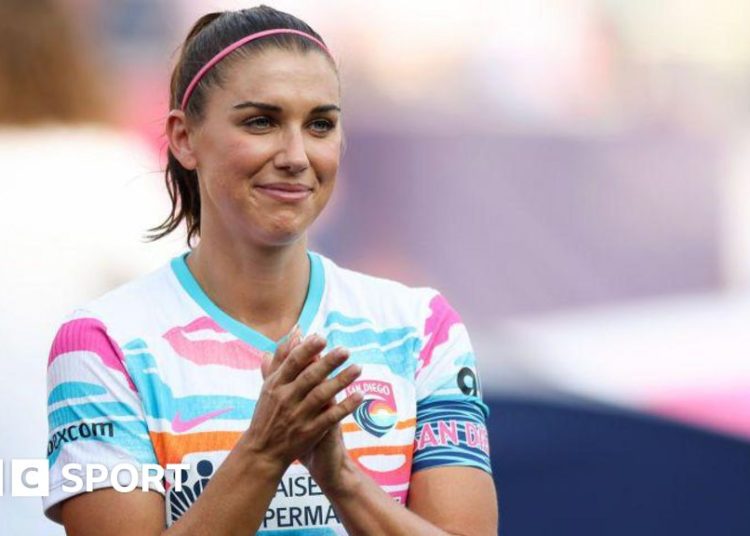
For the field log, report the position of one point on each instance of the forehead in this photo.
(277, 76)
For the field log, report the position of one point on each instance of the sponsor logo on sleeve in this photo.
(467, 382)
(78, 431)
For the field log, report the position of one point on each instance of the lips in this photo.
(285, 192)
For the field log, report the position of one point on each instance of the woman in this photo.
(309, 396)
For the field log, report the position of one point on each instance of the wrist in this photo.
(256, 463)
(345, 483)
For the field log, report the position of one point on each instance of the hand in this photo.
(327, 460)
(329, 463)
(294, 410)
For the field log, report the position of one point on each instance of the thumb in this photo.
(272, 361)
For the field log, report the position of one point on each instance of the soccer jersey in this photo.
(154, 372)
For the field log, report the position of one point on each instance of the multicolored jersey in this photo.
(154, 372)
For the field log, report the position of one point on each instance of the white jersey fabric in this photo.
(155, 373)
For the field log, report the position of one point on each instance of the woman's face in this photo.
(267, 149)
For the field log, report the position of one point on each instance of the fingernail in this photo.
(340, 353)
(315, 339)
(296, 337)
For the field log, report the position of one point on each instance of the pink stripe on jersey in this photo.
(204, 342)
(89, 335)
(436, 327)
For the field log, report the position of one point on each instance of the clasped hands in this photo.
(297, 417)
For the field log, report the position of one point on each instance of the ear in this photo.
(178, 135)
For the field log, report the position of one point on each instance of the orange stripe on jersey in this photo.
(401, 425)
(406, 450)
(171, 448)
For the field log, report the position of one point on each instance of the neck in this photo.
(264, 288)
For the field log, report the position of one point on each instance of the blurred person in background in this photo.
(224, 358)
(77, 196)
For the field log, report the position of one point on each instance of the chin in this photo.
(288, 228)
(282, 237)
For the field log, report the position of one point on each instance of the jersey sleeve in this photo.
(451, 417)
(95, 415)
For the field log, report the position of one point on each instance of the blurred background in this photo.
(574, 175)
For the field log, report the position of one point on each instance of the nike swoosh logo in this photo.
(178, 425)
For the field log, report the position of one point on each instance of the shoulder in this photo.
(380, 297)
(139, 293)
(90, 342)
(133, 302)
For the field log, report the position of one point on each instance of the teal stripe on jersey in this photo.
(400, 359)
(314, 293)
(465, 360)
(430, 402)
(367, 336)
(464, 458)
(334, 318)
(159, 401)
(395, 348)
(135, 344)
(91, 410)
(67, 390)
(312, 531)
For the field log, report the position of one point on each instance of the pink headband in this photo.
(234, 46)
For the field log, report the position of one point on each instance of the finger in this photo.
(300, 357)
(282, 350)
(331, 417)
(265, 364)
(325, 393)
(319, 370)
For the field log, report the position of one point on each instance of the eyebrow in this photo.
(273, 108)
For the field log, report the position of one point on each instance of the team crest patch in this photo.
(378, 413)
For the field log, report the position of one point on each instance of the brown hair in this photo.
(45, 74)
(208, 36)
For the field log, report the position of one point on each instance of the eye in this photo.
(322, 126)
(260, 122)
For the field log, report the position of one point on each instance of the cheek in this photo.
(233, 164)
(245, 158)
(326, 160)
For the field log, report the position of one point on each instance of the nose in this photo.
(292, 155)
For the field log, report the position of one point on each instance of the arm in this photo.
(460, 500)
(451, 490)
(229, 505)
(444, 500)
(238, 495)
(362, 506)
